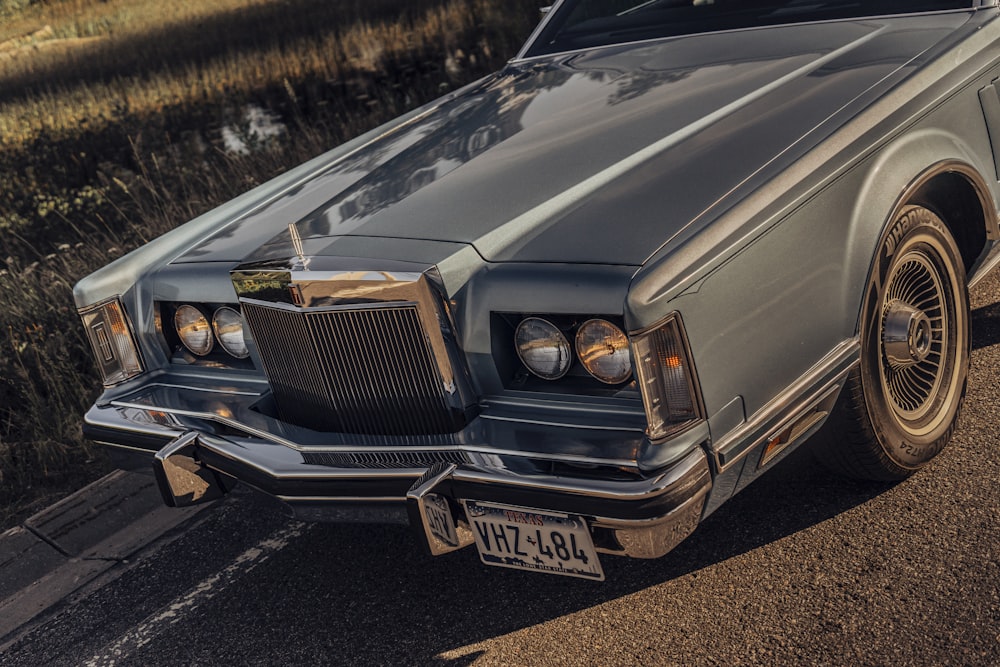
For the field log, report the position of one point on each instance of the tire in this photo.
(899, 406)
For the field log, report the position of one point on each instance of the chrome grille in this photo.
(384, 460)
(363, 369)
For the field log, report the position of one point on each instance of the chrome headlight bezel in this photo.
(577, 381)
(179, 354)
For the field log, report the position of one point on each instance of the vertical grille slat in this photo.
(289, 370)
(368, 370)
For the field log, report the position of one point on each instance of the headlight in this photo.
(228, 327)
(110, 335)
(666, 377)
(604, 351)
(194, 330)
(543, 349)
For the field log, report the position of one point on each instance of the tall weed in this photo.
(100, 162)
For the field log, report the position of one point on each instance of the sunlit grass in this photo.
(98, 86)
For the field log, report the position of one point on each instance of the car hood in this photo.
(599, 156)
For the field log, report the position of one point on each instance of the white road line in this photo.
(180, 607)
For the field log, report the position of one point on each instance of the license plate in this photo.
(527, 539)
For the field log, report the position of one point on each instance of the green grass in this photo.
(109, 137)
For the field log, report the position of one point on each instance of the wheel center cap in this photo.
(906, 334)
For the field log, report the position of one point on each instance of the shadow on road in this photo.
(384, 601)
(986, 326)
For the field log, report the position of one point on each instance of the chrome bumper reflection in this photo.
(442, 527)
(198, 455)
(433, 500)
(183, 481)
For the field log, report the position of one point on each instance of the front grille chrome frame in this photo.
(357, 352)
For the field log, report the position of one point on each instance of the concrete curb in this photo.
(68, 545)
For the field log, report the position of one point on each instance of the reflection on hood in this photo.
(551, 159)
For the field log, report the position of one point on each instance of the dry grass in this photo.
(139, 67)
(105, 144)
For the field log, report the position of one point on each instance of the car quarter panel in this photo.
(799, 250)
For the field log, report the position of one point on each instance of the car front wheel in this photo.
(899, 406)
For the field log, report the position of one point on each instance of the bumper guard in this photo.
(662, 510)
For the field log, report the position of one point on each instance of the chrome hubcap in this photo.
(906, 334)
(914, 336)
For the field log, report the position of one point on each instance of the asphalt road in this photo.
(801, 568)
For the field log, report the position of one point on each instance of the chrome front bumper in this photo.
(630, 512)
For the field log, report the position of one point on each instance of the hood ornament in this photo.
(297, 245)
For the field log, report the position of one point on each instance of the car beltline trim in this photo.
(788, 405)
(491, 244)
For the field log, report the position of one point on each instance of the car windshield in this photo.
(585, 23)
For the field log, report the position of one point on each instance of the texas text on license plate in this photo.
(527, 539)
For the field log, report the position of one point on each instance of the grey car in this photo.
(572, 308)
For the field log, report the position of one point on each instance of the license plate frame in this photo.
(533, 540)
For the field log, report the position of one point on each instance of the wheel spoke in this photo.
(911, 385)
